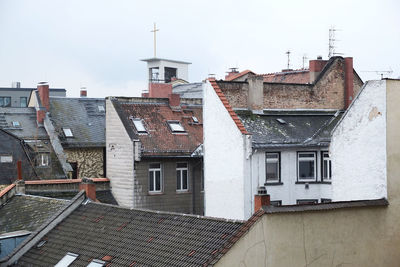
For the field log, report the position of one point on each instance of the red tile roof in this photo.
(160, 140)
(292, 76)
(225, 102)
(237, 75)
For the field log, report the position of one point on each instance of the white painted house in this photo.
(358, 148)
(284, 150)
(162, 70)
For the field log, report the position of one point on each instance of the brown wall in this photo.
(170, 199)
(327, 93)
(90, 161)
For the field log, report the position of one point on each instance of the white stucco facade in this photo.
(224, 161)
(358, 147)
(181, 67)
(289, 190)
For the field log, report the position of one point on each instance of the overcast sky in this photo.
(98, 44)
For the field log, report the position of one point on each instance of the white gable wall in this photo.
(224, 160)
(358, 147)
(119, 158)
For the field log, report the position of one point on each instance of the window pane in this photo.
(272, 171)
(158, 181)
(325, 169)
(184, 180)
(139, 125)
(306, 155)
(306, 169)
(151, 180)
(272, 156)
(176, 126)
(23, 102)
(178, 180)
(330, 169)
(7, 101)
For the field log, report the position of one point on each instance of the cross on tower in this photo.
(155, 30)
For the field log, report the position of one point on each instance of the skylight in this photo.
(281, 121)
(68, 132)
(67, 260)
(101, 108)
(16, 124)
(176, 126)
(195, 120)
(96, 263)
(139, 125)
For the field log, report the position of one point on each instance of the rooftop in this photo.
(164, 59)
(84, 117)
(130, 237)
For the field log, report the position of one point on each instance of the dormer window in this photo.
(176, 127)
(68, 132)
(16, 124)
(139, 126)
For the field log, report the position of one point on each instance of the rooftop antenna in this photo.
(288, 59)
(381, 72)
(304, 60)
(155, 30)
(332, 40)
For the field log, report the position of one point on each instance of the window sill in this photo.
(312, 182)
(183, 192)
(273, 183)
(155, 193)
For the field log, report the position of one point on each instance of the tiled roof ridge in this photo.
(64, 181)
(284, 72)
(237, 75)
(228, 107)
(172, 213)
(5, 190)
(235, 237)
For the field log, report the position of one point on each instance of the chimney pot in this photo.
(83, 92)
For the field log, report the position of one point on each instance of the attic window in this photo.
(176, 127)
(101, 108)
(96, 263)
(281, 121)
(195, 120)
(67, 260)
(16, 124)
(68, 132)
(139, 125)
(6, 158)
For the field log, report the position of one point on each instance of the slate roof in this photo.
(25, 212)
(28, 128)
(83, 117)
(155, 114)
(189, 90)
(130, 237)
(290, 128)
(292, 76)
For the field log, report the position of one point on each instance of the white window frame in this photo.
(273, 160)
(67, 260)
(329, 167)
(180, 171)
(44, 160)
(300, 159)
(6, 159)
(68, 132)
(139, 126)
(152, 175)
(176, 127)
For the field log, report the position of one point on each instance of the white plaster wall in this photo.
(358, 147)
(290, 192)
(182, 69)
(119, 158)
(224, 156)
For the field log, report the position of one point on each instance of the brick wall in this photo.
(327, 93)
(169, 199)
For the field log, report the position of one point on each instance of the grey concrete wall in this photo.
(17, 93)
(170, 199)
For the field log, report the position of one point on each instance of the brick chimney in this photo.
(316, 67)
(231, 72)
(174, 100)
(162, 90)
(83, 92)
(44, 96)
(89, 187)
(348, 81)
(256, 92)
(261, 199)
(20, 183)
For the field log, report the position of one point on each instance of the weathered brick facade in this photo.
(90, 161)
(327, 92)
